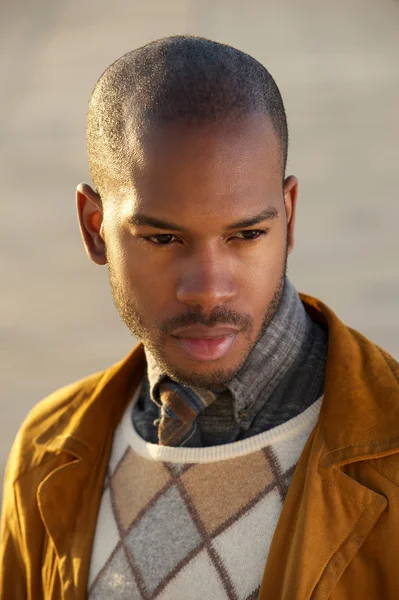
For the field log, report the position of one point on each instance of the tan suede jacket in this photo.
(338, 533)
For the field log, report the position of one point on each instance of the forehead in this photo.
(206, 169)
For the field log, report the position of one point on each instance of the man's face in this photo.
(197, 248)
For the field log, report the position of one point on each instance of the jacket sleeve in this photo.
(12, 567)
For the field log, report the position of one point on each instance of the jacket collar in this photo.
(361, 379)
(69, 496)
(359, 418)
(330, 508)
(94, 412)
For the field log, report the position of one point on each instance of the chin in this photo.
(201, 374)
(187, 370)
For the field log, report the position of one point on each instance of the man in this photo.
(248, 446)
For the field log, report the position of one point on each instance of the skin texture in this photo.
(201, 179)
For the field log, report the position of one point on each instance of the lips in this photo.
(206, 343)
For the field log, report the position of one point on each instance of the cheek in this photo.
(263, 277)
(144, 284)
(263, 271)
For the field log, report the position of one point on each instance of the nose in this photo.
(206, 280)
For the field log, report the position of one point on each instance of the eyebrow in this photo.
(266, 215)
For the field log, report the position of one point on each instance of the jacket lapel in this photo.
(67, 509)
(325, 519)
(327, 515)
(70, 494)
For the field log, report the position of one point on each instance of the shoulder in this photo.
(53, 406)
(62, 414)
(346, 345)
(373, 356)
(49, 418)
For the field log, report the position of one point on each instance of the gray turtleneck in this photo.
(283, 375)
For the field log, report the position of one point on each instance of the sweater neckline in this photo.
(300, 425)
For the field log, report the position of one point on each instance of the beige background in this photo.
(337, 66)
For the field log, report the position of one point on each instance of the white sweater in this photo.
(192, 523)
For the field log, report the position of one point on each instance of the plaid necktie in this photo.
(180, 407)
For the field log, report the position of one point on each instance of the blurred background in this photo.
(337, 65)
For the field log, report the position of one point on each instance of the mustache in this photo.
(219, 316)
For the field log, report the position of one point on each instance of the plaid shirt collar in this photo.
(270, 359)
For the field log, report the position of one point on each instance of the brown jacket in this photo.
(338, 534)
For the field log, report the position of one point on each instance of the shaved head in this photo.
(182, 78)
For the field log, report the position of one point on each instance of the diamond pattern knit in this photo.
(192, 523)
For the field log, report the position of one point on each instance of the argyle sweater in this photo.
(192, 523)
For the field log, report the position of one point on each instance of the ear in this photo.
(290, 198)
(90, 214)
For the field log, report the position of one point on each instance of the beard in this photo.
(153, 337)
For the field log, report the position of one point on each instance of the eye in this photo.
(161, 239)
(250, 234)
